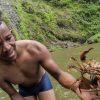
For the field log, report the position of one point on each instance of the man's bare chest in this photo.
(19, 73)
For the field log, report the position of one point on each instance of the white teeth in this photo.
(11, 55)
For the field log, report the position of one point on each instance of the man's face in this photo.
(7, 44)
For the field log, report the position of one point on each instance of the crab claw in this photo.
(83, 54)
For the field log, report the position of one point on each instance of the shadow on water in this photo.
(62, 58)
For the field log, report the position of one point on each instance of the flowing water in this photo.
(62, 58)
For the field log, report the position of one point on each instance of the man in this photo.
(24, 63)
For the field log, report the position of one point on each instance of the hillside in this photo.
(57, 21)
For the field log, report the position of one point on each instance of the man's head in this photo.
(7, 43)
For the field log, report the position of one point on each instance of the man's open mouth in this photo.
(9, 56)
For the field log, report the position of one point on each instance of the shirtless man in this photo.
(24, 62)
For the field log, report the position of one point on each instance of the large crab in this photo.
(90, 68)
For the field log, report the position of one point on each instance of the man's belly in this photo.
(20, 78)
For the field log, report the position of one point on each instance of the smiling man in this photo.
(25, 63)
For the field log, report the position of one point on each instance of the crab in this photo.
(90, 67)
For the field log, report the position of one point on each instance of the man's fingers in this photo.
(92, 90)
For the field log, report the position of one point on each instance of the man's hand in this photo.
(85, 95)
(82, 89)
(17, 97)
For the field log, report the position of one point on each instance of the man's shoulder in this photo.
(30, 45)
(28, 42)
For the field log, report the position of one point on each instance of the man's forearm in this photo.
(67, 81)
(8, 88)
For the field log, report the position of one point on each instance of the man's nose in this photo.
(6, 47)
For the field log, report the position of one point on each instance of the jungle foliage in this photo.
(59, 20)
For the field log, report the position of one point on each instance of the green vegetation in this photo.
(59, 20)
(5, 18)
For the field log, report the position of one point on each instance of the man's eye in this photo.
(8, 38)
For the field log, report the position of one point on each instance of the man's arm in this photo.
(64, 78)
(9, 89)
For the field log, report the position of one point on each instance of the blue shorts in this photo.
(43, 85)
